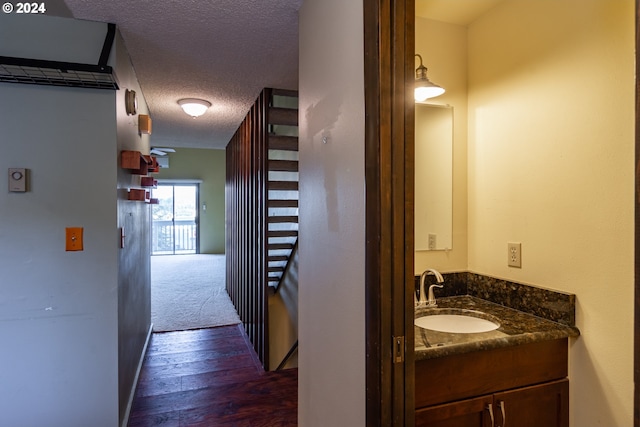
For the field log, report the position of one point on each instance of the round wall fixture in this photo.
(130, 102)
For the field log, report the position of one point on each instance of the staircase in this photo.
(261, 203)
(282, 183)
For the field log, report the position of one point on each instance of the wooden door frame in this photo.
(636, 321)
(389, 42)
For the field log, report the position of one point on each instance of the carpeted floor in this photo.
(188, 292)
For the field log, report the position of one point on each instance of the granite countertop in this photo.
(516, 327)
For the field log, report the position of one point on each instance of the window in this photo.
(175, 220)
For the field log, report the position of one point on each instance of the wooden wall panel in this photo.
(389, 32)
(246, 215)
(636, 323)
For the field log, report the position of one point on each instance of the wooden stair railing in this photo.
(286, 358)
(261, 208)
(282, 185)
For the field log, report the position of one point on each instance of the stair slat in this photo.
(282, 233)
(289, 117)
(283, 116)
(279, 246)
(286, 203)
(284, 92)
(282, 142)
(283, 165)
(282, 219)
(283, 185)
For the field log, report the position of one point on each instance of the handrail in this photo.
(286, 267)
(288, 356)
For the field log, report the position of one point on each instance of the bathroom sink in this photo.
(457, 321)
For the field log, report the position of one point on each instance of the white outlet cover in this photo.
(514, 254)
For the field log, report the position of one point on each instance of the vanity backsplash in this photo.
(548, 304)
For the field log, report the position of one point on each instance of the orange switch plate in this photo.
(74, 238)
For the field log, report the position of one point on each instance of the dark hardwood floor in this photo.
(211, 377)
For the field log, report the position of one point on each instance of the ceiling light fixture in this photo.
(194, 107)
(424, 88)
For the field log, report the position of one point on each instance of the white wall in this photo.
(551, 165)
(72, 324)
(332, 215)
(444, 50)
(58, 310)
(51, 38)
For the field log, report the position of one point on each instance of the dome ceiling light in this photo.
(194, 107)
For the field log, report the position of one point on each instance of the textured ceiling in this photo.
(224, 51)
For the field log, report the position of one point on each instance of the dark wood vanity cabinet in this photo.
(541, 405)
(521, 386)
(534, 406)
(464, 413)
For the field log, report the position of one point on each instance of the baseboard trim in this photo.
(125, 420)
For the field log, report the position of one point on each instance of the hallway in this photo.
(211, 377)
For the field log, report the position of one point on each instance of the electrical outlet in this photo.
(432, 241)
(515, 255)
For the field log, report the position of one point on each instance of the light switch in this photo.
(122, 236)
(74, 239)
(17, 180)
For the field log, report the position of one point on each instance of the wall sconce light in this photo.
(194, 107)
(424, 88)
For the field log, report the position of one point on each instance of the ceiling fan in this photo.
(159, 151)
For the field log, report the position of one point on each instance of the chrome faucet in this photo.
(431, 302)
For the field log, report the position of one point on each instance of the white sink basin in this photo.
(456, 323)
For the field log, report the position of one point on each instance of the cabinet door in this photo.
(464, 413)
(542, 405)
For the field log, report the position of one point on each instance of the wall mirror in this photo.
(433, 177)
